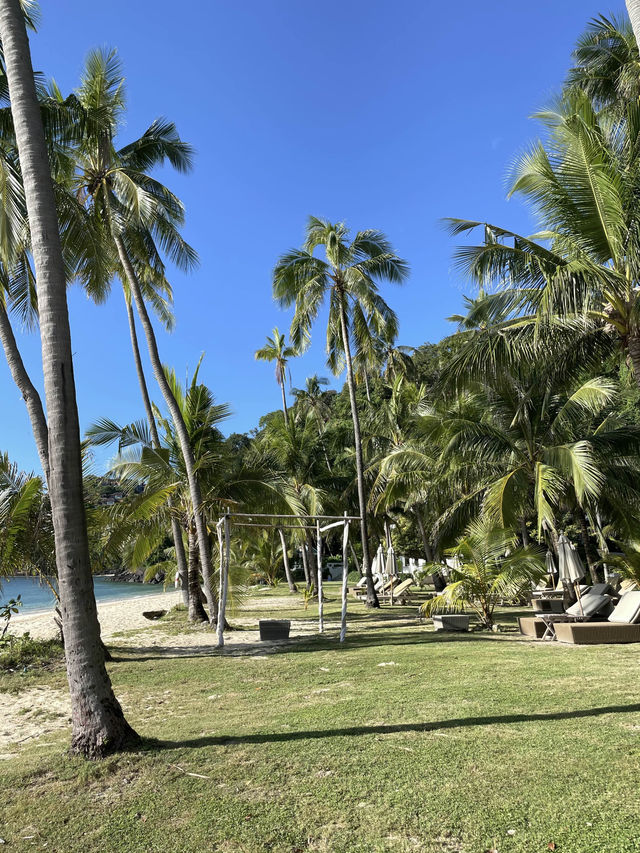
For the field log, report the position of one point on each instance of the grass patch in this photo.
(399, 740)
(27, 652)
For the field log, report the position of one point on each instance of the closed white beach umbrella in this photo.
(569, 564)
(391, 566)
(550, 564)
(378, 562)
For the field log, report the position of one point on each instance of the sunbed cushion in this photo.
(601, 589)
(588, 605)
(628, 609)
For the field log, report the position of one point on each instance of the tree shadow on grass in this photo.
(357, 731)
(311, 643)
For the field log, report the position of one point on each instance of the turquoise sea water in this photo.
(36, 595)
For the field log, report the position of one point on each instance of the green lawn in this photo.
(399, 740)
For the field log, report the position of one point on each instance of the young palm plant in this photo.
(491, 568)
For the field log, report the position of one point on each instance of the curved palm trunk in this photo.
(98, 724)
(27, 389)
(633, 8)
(285, 560)
(372, 598)
(196, 610)
(181, 559)
(428, 553)
(586, 542)
(305, 566)
(181, 429)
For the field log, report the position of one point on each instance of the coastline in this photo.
(121, 614)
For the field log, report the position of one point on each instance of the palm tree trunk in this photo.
(98, 724)
(355, 558)
(196, 610)
(181, 429)
(284, 403)
(312, 585)
(423, 535)
(586, 542)
(305, 566)
(526, 540)
(366, 384)
(285, 560)
(27, 389)
(181, 559)
(633, 8)
(372, 598)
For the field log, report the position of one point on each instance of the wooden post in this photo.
(224, 576)
(320, 602)
(345, 574)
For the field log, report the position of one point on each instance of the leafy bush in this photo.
(27, 651)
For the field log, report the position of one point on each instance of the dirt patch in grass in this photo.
(30, 714)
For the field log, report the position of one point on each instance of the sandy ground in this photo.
(121, 615)
(38, 711)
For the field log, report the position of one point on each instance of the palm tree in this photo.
(490, 568)
(276, 350)
(136, 212)
(225, 480)
(346, 278)
(98, 724)
(581, 272)
(311, 402)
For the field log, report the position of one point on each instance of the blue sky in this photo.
(383, 114)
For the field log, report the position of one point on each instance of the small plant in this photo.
(490, 569)
(7, 611)
(307, 595)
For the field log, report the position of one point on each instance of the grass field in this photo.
(399, 740)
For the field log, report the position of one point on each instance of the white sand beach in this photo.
(123, 614)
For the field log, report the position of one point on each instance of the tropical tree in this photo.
(276, 350)
(225, 481)
(292, 448)
(580, 273)
(490, 568)
(138, 216)
(345, 278)
(98, 724)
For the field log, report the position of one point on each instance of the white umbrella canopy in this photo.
(391, 565)
(378, 562)
(569, 564)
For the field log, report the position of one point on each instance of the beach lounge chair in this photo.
(401, 592)
(360, 590)
(622, 626)
(589, 606)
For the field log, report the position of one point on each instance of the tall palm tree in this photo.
(276, 350)
(98, 724)
(346, 278)
(136, 212)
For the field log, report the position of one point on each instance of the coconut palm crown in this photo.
(346, 277)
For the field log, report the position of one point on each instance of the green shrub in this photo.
(26, 651)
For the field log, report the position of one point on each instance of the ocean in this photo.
(36, 595)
